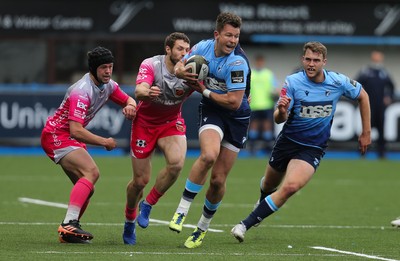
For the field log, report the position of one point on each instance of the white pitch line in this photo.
(42, 202)
(61, 205)
(132, 253)
(185, 225)
(353, 253)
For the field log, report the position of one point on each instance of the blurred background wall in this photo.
(43, 47)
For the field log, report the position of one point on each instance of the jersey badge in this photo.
(141, 143)
(179, 91)
(237, 76)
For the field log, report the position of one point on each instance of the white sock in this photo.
(183, 206)
(72, 214)
(204, 223)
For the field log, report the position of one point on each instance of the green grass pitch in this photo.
(344, 213)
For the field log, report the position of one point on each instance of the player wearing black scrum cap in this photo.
(103, 57)
(64, 136)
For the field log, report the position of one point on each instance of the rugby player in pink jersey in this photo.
(64, 136)
(158, 123)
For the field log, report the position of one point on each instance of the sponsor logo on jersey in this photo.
(81, 105)
(237, 76)
(214, 84)
(142, 70)
(236, 63)
(316, 109)
(79, 114)
(56, 141)
(142, 74)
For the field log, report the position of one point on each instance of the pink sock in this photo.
(153, 196)
(80, 192)
(130, 213)
(83, 209)
(86, 204)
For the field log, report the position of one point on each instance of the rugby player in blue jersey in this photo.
(224, 120)
(307, 105)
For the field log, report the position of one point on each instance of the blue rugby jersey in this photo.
(313, 106)
(226, 73)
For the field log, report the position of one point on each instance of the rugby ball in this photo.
(199, 65)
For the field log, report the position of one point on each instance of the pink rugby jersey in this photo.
(168, 105)
(82, 101)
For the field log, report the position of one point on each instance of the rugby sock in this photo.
(79, 195)
(72, 214)
(190, 192)
(83, 209)
(263, 194)
(209, 210)
(204, 222)
(153, 197)
(266, 208)
(130, 213)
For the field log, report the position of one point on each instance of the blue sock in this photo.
(209, 209)
(191, 190)
(266, 208)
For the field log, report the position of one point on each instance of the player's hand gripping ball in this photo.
(199, 65)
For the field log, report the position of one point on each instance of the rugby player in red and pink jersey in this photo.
(64, 136)
(158, 123)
